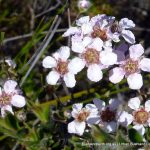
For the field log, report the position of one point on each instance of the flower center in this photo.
(130, 66)
(91, 56)
(5, 99)
(62, 67)
(141, 116)
(97, 32)
(107, 115)
(82, 116)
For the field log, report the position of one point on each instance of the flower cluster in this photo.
(9, 96)
(109, 117)
(93, 40)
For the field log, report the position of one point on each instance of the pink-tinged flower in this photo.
(84, 5)
(91, 55)
(120, 28)
(140, 116)
(9, 96)
(131, 67)
(81, 115)
(60, 67)
(108, 114)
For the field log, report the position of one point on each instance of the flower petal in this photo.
(135, 81)
(147, 105)
(77, 47)
(134, 103)
(136, 51)
(94, 73)
(82, 20)
(116, 75)
(105, 58)
(6, 108)
(86, 41)
(18, 101)
(125, 118)
(49, 62)
(69, 79)
(52, 77)
(128, 36)
(76, 108)
(110, 127)
(145, 64)
(99, 103)
(96, 44)
(9, 86)
(92, 109)
(114, 104)
(126, 23)
(71, 31)
(76, 65)
(64, 52)
(86, 28)
(139, 128)
(76, 127)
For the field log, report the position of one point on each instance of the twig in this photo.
(47, 39)
(28, 35)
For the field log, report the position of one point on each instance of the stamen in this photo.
(5, 99)
(82, 116)
(62, 67)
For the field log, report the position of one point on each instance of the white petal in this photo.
(136, 51)
(147, 105)
(116, 75)
(77, 47)
(110, 127)
(0, 91)
(96, 44)
(135, 81)
(76, 108)
(94, 73)
(92, 109)
(49, 62)
(134, 103)
(69, 79)
(52, 77)
(71, 31)
(18, 101)
(64, 52)
(86, 41)
(145, 64)
(6, 108)
(9, 86)
(76, 127)
(128, 36)
(82, 20)
(86, 28)
(76, 65)
(126, 23)
(139, 128)
(125, 118)
(105, 58)
(99, 103)
(114, 104)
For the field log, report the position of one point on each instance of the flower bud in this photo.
(84, 5)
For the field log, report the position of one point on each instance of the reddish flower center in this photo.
(130, 66)
(97, 32)
(62, 67)
(115, 27)
(91, 56)
(107, 115)
(141, 116)
(5, 99)
(82, 116)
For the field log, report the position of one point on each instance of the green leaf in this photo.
(2, 36)
(135, 136)
(120, 137)
(101, 136)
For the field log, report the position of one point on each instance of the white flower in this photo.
(121, 29)
(9, 96)
(82, 115)
(108, 114)
(130, 68)
(61, 67)
(92, 56)
(140, 116)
